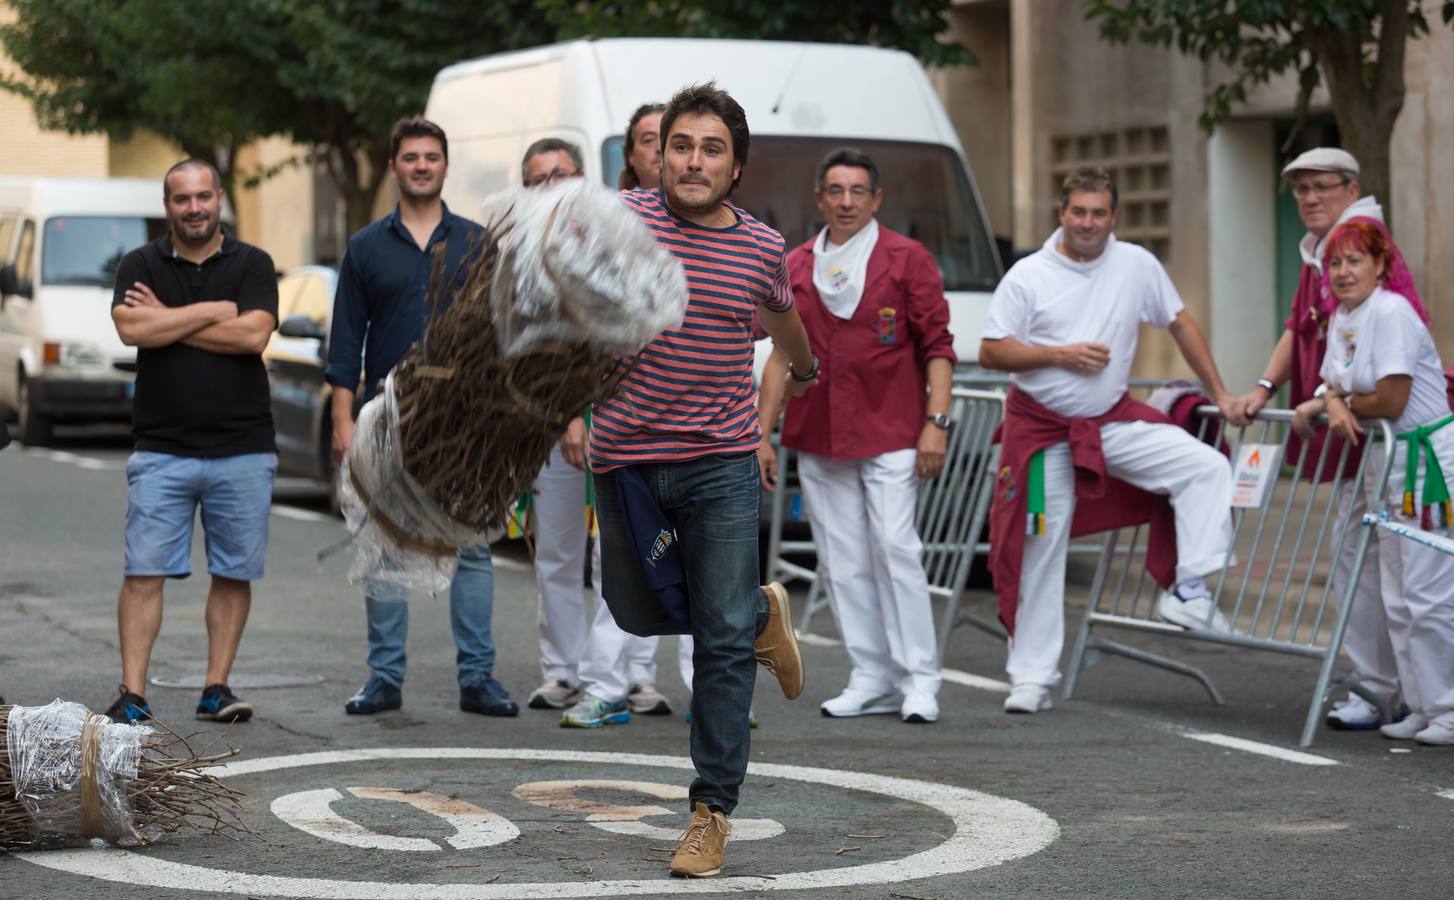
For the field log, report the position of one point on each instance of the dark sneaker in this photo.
(129, 708)
(377, 695)
(218, 704)
(489, 697)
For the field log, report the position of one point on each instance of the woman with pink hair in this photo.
(1381, 363)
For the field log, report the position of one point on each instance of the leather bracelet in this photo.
(1267, 385)
(807, 376)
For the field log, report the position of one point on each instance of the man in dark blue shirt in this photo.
(381, 308)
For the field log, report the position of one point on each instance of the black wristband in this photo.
(807, 376)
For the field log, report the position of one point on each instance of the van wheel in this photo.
(35, 430)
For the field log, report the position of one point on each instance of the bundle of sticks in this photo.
(69, 775)
(565, 286)
(476, 426)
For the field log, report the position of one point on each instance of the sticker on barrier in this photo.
(601, 831)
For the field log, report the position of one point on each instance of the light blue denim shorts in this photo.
(163, 494)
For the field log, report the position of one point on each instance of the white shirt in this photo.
(1382, 337)
(1048, 299)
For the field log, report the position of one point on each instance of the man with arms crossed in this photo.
(380, 309)
(199, 307)
(1064, 320)
(684, 428)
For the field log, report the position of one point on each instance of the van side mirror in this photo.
(12, 285)
(300, 327)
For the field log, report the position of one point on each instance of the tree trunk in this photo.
(1367, 99)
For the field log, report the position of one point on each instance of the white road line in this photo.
(1447, 795)
(987, 831)
(969, 679)
(302, 515)
(99, 465)
(1261, 749)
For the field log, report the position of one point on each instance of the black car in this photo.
(296, 356)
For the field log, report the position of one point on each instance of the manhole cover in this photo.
(239, 681)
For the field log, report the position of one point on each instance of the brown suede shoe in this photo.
(699, 854)
(777, 646)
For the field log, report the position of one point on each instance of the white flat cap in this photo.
(1323, 159)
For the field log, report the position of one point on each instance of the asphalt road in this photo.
(1114, 794)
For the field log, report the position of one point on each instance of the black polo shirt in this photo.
(193, 402)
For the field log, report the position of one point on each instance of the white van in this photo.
(802, 100)
(61, 240)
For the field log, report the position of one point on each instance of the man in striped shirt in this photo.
(684, 425)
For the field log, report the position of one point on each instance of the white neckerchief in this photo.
(839, 271)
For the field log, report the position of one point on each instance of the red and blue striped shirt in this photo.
(690, 394)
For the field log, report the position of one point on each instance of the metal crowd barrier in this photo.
(951, 516)
(1276, 587)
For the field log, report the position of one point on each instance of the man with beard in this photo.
(380, 309)
(677, 443)
(199, 307)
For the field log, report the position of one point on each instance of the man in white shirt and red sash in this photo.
(1064, 320)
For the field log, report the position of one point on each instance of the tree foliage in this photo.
(916, 26)
(334, 75)
(1356, 47)
(213, 75)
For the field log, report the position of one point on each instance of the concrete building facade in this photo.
(1050, 95)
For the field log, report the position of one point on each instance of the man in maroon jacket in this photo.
(873, 304)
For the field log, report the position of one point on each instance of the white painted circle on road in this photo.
(988, 831)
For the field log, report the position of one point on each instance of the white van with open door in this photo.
(61, 240)
(802, 100)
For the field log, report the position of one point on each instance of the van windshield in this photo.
(86, 250)
(927, 196)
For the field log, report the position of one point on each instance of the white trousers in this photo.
(862, 515)
(1418, 598)
(611, 662)
(561, 538)
(1366, 640)
(1162, 459)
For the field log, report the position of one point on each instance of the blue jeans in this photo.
(163, 493)
(471, 603)
(712, 503)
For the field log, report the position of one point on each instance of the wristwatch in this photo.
(1267, 385)
(806, 376)
(939, 420)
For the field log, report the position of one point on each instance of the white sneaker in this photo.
(1354, 714)
(853, 702)
(1028, 698)
(645, 700)
(1196, 614)
(1406, 728)
(919, 708)
(1440, 733)
(554, 694)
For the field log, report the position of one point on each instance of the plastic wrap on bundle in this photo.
(71, 769)
(578, 266)
(401, 534)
